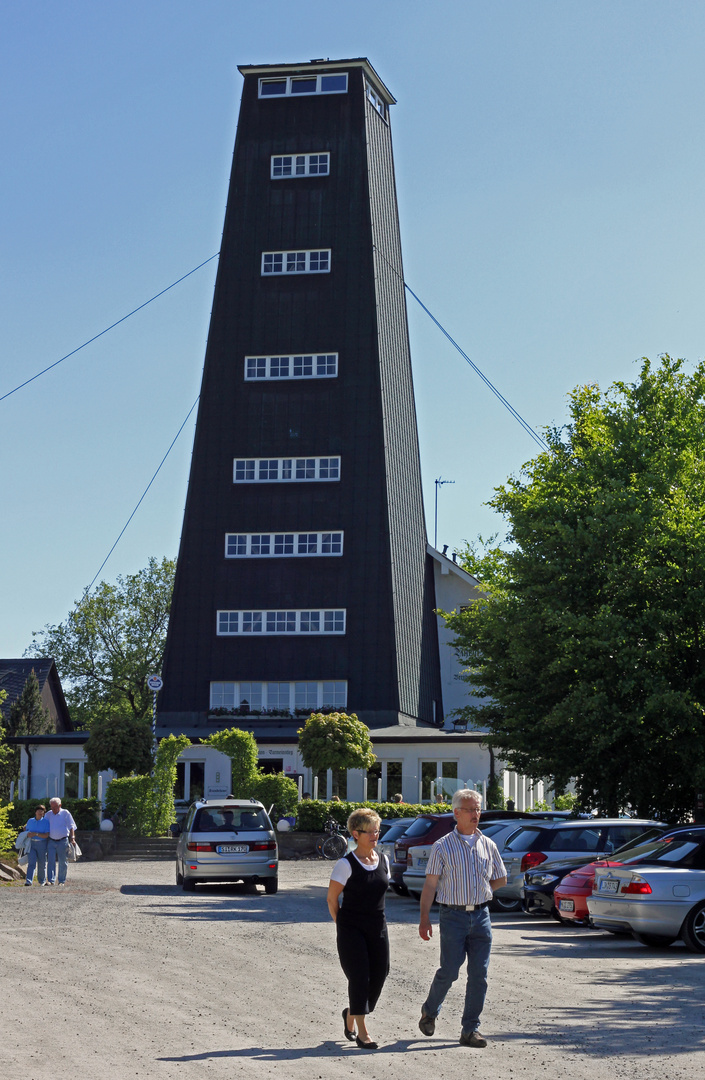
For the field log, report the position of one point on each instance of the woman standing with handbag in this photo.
(38, 839)
(356, 893)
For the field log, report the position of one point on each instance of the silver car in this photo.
(417, 858)
(227, 840)
(544, 842)
(658, 894)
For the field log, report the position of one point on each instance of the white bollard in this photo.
(364, 789)
(301, 787)
(379, 789)
(315, 787)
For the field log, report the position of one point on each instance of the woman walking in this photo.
(38, 836)
(356, 895)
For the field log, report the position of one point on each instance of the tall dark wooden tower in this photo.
(303, 578)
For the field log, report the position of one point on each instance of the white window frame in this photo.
(281, 263)
(279, 623)
(322, 86)
(378, 103)
(300, 165)
(280, 545)
(337, 698)
(286, 470)
(272, 366)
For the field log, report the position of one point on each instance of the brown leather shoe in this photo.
(427, 1024)
(474, 1039)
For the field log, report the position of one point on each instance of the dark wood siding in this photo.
(366, 415)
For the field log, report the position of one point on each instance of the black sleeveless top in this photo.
(364, 891)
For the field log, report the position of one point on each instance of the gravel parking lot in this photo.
(122, 975)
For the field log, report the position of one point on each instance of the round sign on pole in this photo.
(154, 683)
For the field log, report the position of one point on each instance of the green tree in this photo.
(26, 716)
(120, 743)
(110, 642)
(335, 741)
(241, 748)
(588, 645)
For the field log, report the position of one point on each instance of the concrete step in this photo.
(144, 848)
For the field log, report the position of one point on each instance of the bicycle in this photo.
(334, 844)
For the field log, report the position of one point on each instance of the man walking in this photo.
(62, 831)
(463, 870)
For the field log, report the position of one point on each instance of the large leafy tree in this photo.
(110, 642)
(589, 644)
(119, 742)
(335, 741)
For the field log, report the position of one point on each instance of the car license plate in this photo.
(232, 849)
(566, 905)
(610, 885)
(421, 863)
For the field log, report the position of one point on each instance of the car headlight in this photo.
(541, 879)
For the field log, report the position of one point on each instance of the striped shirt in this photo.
(466, 867)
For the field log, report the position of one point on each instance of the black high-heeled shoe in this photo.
(348, 1033)
(365, 1045)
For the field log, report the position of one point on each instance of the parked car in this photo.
(561, 888)
(395, 829)
(227, 840)
(417, 857)
(555, 841)
(427, 828)
(658, 896)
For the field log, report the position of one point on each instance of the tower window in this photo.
(306, 366)
(259, 696)
(375, 100)
(279, 470)
(291, 165)
(296, 262)
(294, 85)
(277, 623)
(272, 545)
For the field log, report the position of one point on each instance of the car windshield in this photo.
(394, 832)
(420, 827)
(238, 819)
(637, 843)
(494, 827)
(524, 839)
(681, 848)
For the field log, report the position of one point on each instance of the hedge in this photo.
(312, 814)
(276, 789)
(85, 812)
(8, 834)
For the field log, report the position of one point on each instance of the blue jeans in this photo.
(464, 934)
(58, 849)
(38, 860)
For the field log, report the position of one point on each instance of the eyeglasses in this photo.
(367, 832)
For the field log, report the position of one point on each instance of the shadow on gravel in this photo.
(323, 1050)
(147, 890)
(244, 903)
(650, 1002)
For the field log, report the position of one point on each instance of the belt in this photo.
(56, 839)
(465, 907)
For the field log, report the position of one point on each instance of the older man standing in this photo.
(463, 870)
(62, 831)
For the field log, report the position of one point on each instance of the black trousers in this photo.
(363, 948)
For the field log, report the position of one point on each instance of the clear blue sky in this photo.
(550, 166)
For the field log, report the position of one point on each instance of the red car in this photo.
(570, 896)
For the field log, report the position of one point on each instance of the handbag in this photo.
(23, 860)
(74, 852)
(20, 841)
